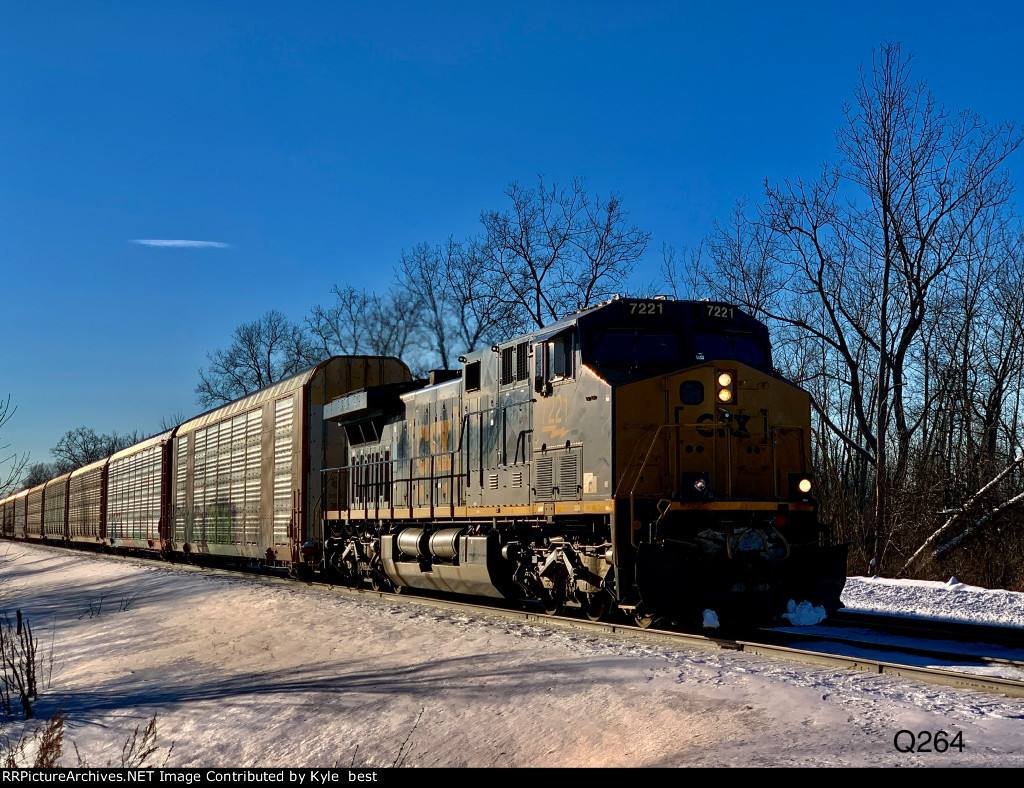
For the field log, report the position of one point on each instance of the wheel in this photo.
(596, 606)
(343, 571)
(350, 573)
(552, 605)
(378, 580)
(552, 599)
(642, 618)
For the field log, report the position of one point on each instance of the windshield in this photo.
(746, 348)
(633, 346)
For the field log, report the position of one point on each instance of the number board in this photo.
(719, 311)
(646, 307)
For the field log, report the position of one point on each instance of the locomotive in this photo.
(640, 455)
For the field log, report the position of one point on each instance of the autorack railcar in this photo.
(238, 483)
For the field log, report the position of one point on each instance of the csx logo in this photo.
(735, 422)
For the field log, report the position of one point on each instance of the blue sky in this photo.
(319, 140)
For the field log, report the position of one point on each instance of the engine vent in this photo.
(569, 476)
(545, 479)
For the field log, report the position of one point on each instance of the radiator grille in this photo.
(545, 479)
(568, 475)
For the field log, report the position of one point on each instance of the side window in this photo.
(560, 357)
(472, 376)
(691, 392)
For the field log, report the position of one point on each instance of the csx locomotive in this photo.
(641, 454)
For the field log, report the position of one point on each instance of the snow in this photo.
(803, 615)
(710, 618)
(243, 671)
(952, 600)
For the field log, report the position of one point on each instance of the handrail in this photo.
(385, 480)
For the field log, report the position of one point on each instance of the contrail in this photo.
(193, 244)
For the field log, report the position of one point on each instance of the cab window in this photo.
(560, 352)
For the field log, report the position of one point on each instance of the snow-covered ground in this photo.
(951, 600)
(242, 672)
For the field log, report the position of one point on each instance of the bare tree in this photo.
(481, 312)
(261, 353)
(341, 328)
(859, 265)
(558, 249)
(361, 322)
(13, 463)
(38, 473)
(394, 319)
(682, 272)
(82, 445)
(455, 297)
(422, 273)
(172, 420)
(934, 546)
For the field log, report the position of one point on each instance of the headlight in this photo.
(800, 486)
(726, 387)
(695, 486)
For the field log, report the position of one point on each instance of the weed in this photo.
(18, 666)
(49, 739)
(93, 610)
(402, 752)
(137, 749)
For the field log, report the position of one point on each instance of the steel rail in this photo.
(778, 638)
(934, 628)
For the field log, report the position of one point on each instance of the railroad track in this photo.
(952, 657)
(948, 656)
(1008, 637)
(771, 643)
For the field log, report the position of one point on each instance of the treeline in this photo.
(554, 249)
(893, 285)
(77, 448)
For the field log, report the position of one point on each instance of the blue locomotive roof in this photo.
(634, 337)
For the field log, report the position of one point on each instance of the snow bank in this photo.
(952, 600)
